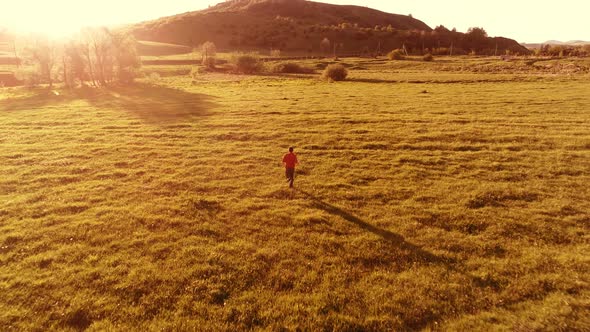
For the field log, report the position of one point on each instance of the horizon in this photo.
(532, 29)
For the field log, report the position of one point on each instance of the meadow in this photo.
(451, 195)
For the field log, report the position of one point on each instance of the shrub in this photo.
(196, 71)
(154, 76)
(209, 62)
(247, 63)
(396, 55)
(428, 57)
(275, 53)
(335, 72)
(30, 78)
(291, 68)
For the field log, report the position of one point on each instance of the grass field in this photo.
(427, 198)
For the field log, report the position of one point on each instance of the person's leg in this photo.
(292, 177)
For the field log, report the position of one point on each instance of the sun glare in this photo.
(61, 18)
(56, 24)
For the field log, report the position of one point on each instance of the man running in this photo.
(290, 160)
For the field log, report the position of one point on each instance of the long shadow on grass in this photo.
(393, 238)
(36, 98)
(151, 103)
(416, 254)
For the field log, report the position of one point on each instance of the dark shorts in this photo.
(290, 173)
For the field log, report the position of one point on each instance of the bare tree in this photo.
(43, 53)
(98, 51)
(101, 56)
(14, 50)
(64, 66)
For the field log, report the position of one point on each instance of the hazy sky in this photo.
(523, 20)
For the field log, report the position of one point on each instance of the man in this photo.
(290, 160)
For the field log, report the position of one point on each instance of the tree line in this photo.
(563, 50)
(95, 56)
(439, 41)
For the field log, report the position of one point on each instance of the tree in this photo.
(95, 44)
(43, 53)
(441, 29)
(325, 45)
(74, 58)
(477, 32)
(15, 48)
(208, 52)
(102, 56)
(101, 45)
(125, 54)
(476, 38)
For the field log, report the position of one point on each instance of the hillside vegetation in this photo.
(298, 26)
(425, 199)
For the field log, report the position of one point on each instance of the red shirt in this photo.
(290, 159)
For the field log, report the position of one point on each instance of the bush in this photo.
(209, 62)
(196, 71)
(396, 55)
(291, 68)
(247, 63)
(335, 72)
(441, 51)
(154, 77)
(30, 78)
(428, 57)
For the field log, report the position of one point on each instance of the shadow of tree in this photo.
(151, 103)
(391, 237)
(34, 99)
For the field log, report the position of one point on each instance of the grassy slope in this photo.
(148, 48)
(465, 207)
(259, 26)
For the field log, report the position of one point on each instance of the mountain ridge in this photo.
(300, 26)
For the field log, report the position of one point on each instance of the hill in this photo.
(558, 43)
(298, 26)
(568, 43)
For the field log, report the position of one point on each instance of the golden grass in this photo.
(425, 200)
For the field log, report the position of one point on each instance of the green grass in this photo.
(425, 199)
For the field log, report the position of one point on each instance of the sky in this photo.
(527, 21)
